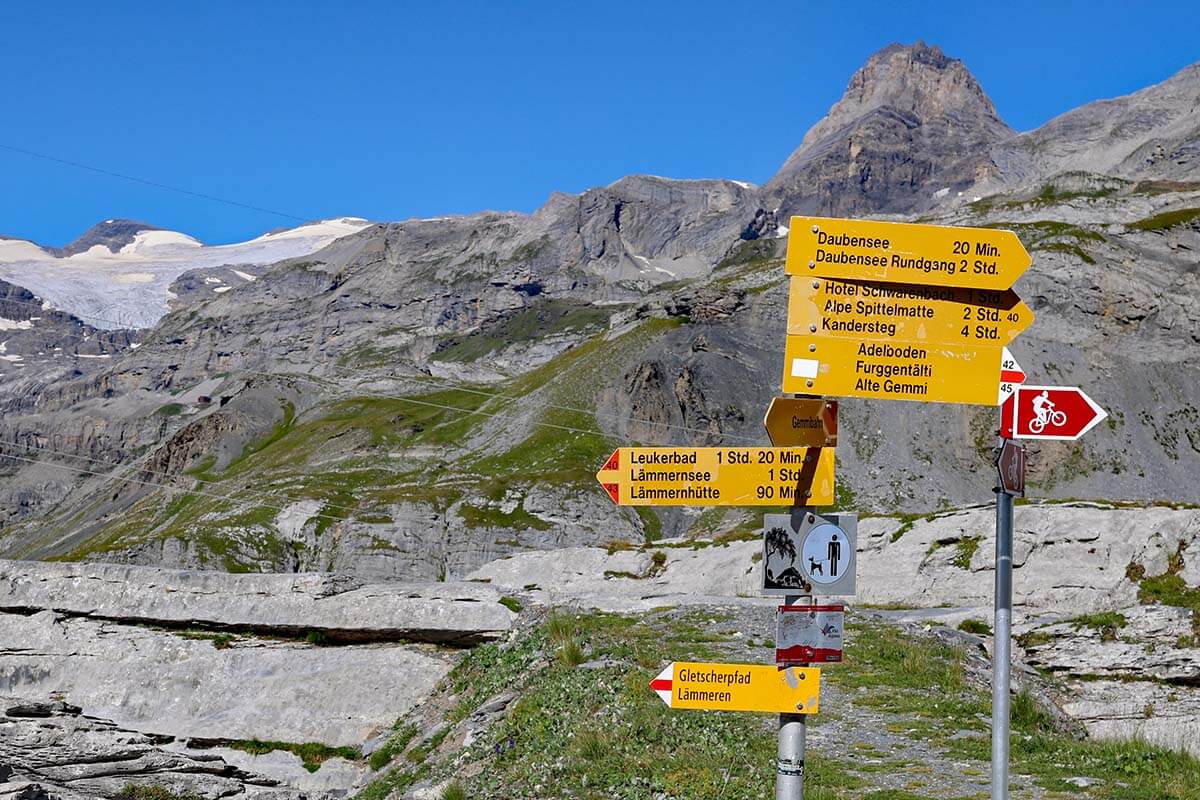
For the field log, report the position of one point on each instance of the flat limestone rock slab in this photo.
(460, 613)
(1069, 559)
(1162, 714)
(50, 749)
(158, 682)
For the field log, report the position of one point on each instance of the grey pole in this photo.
(789, 768)
(1002, 644)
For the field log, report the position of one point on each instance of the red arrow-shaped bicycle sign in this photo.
(1050, 412)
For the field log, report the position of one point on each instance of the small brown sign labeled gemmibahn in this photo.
(801, 422)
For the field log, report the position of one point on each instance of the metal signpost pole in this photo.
(789, 769)
(1002, 644)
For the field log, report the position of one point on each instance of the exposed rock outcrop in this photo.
(50, 750)
(339, 607)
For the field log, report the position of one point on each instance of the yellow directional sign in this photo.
(933, 373)
(740, 687)
(801, 422)
(719, 476)
(894, 312)
(901, 252)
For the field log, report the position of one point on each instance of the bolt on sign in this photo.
(901, 252)
(807, 553)
(719, 476)
(809, 634)
(903, 312)
(739, 687)
(801, 422)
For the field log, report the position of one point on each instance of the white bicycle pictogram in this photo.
(1055, 418)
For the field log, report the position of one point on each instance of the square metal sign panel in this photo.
(809, 634)
(807, 553)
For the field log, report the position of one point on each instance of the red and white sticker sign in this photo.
(809, 634)
(1050, 412)
(1011, 376)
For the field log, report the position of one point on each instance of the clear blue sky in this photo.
(401, 109)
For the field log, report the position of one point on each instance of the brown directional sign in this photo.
(892, 312)
(1011, 463)
(801, 422)
(902, 252)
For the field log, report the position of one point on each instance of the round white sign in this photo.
(826, 554)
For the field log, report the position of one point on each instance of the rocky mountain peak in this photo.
(111, 233)
(916, 80)
(905, 121)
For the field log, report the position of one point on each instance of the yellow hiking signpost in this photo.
(940, 373)
(718, 476)
(740, 687)
(891, 312)
(886, 310)
(900, 252)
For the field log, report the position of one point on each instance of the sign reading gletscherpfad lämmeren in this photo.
(901, 252)
(719, 476)
(891, 312)
(935, 373)
(740, 687)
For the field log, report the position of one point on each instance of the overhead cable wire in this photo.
(145, 182)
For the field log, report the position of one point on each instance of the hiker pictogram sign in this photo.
(807, 553)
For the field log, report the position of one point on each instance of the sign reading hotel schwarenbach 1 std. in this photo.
(739, 687)
(719, 476)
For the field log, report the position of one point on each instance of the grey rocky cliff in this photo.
(911, 127)
(40, 344)
(1152, 134)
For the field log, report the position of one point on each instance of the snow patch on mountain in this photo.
(146, 241)
(15, 325)
(129, 288)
